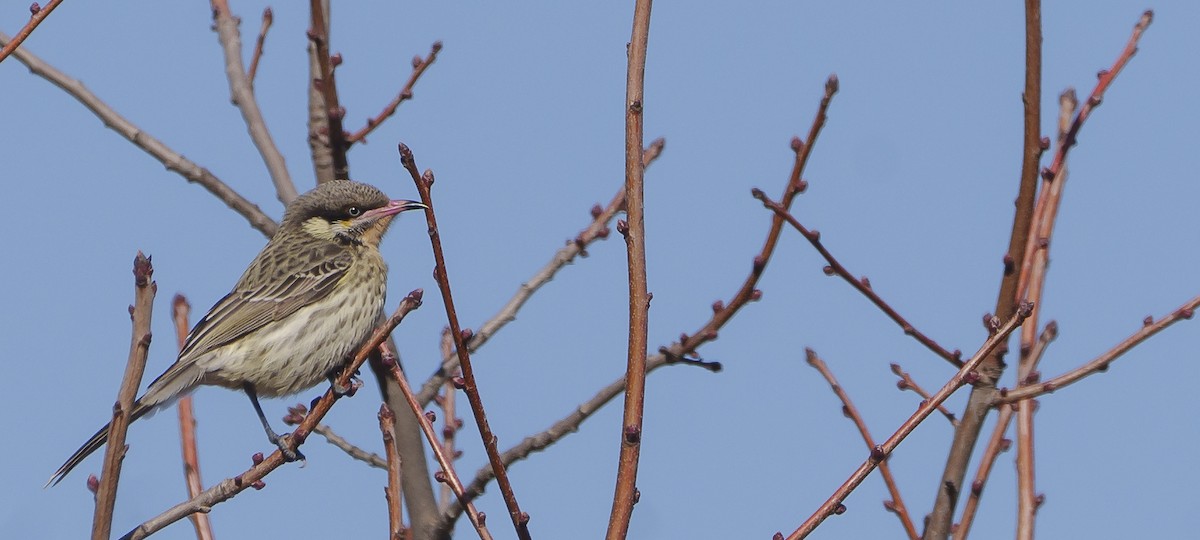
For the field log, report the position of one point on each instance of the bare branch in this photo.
(37, 14)
(180, 309)
(896, 505)
(965, 375)
(447, 474)
(139, 346)
(241, 92)
(906, 382)
(392, 491)
(174, 161)
(863, 285)
(1102, 362)
(406, 93)
(424, 183)
(268, 17)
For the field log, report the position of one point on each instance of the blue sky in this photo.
(911, 183)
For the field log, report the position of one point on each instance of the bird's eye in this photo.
(353, 211)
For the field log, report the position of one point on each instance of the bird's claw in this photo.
(342, 390)
(289, 454)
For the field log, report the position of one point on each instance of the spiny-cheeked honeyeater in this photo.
(306, 302)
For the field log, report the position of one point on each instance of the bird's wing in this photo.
(248, 309)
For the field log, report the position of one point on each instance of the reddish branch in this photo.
(37, 14)
(906, 382)
(424, 183)
(268, 17)
(1101, 363)
(392, 492)
(252, 477)
(139, 346)
(966, 374)
(447, 475)
(634, 231)
(419, 66)
(996, 444)
(187, 426)
(451, 423)
(896, 505)
(863, 285)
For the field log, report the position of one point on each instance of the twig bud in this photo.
(797, 144)
(431, 416)
(256, 458)
(34, 8)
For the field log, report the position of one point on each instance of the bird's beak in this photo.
(392, 208)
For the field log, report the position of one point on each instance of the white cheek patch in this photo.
(323, 229)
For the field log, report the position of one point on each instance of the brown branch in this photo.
(1102, 362)
(597, 230)
(634, 231)
(677, 352)
(906, 382)
(174, 161)
(896, 505)
(424, 183)
(241, 92)
(419, 66)
(996, 444)
(863, 285)
(447, 474)
(318, 33)
(1032, 284)
(295, 416)
(268, 17)
(392, 491)
(450, 421)
(180, 309)
(37, 14)
(140, 313)
(966, 374)
(252, 477)
(318, 117)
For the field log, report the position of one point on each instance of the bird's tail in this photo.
(92, 444)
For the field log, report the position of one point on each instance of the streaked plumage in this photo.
(307, 300)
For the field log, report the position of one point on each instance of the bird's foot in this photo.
(284, 444)
(342, 390)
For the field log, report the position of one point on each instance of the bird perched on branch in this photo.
(306, 302)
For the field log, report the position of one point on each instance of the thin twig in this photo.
(677, 352)
(1032, 282)
(424, 183)
(174, 161)
(37, 14)
(450, 421)
(896, 505)
(966, 374)
(180, 310)
(295, 416)
(252, 477)
(392, 491)
(863, 285)
(596, 230)
(318, 116)
(241, 92)
(997, 443)
(139, 346)
(906, 382)
(268, 17)
(447, 474)
(419, 66)
(1102, 362)
(634, 231)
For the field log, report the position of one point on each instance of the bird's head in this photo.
(345, 211)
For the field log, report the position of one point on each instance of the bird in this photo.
(311, 296)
